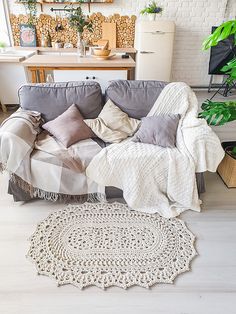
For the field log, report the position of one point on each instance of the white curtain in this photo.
(5, 28)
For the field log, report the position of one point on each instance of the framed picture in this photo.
(27, 35)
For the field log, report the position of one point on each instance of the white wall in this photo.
(193, 19)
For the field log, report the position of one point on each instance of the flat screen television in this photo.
(221, 54)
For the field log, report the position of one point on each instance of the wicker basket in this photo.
(227, 168)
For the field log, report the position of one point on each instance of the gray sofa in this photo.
(134, 97)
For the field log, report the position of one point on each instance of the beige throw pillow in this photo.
(113, 125)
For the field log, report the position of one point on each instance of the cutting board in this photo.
(109, 33)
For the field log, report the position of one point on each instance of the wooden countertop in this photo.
(11, 59)
(75, 61)
(50, 49)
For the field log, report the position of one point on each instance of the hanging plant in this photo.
(31, 10)
(218, 113)
(77, 19)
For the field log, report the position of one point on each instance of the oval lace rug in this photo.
(107, 244)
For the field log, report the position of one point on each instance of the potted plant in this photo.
(151, 10)
(222, 32)
(219, 113)
(227, 167)
(79, 21)
(2, 46)
(231, 150)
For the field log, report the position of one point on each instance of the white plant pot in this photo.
(152, 16)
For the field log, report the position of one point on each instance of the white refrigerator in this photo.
(154, 41)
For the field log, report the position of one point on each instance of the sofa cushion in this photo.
(158, 130)
(52, 99)
(69, 128)
(136, 98)
(113, 125)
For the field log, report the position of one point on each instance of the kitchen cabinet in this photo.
(72, 68)
(101, 76)
(12, 75)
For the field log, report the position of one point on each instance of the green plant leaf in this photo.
(234, 151)
(218, 113)
(230, 69)
(222, 32)
(230, 65)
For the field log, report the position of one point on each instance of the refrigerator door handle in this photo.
(146, 52)
(156, 33)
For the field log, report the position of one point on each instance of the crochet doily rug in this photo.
(107, 244)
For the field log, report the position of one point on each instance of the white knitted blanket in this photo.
(156, 179)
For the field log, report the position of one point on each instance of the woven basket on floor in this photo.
(227, 168)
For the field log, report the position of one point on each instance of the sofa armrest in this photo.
(17, 137)
(203, 145)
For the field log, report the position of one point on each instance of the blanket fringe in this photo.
(54, 197)
(25, 186)
(2, 167)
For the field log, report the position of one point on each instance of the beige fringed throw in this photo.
(41, 166)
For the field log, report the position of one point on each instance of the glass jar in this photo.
(80, 46)
(49, 78)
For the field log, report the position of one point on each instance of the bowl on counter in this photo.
(99, 52)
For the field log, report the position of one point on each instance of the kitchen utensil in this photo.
(109, 33)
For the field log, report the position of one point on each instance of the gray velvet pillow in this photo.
(158, 130)
(69, 127)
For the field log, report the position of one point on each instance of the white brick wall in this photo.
(193, 19)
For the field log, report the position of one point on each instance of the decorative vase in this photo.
(152, 16)
(80, 46)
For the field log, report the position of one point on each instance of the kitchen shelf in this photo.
(86, 2)
(42, 2)
(76, 2)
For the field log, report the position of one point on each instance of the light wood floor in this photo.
(209, 288)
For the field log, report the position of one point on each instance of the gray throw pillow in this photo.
(69, 127)
(158, 130)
